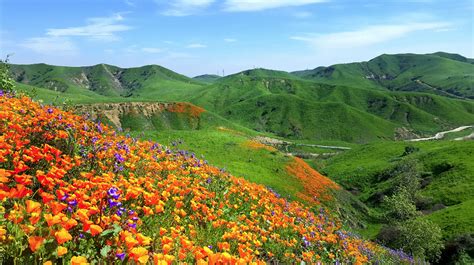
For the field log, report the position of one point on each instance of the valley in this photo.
(336, 137)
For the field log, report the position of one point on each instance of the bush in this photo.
(399, 207)
(420, 237)
(6, 82)
(459, 250)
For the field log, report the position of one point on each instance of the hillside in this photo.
(103, 79)
(153, 116)
(77, 192)
(439, 73)
(207, 78)
(270, 101)
(278, 102)
(446, 173)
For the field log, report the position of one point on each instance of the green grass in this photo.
(455, 220)
(225, 150)
(276, 102)
(448, 167)
(450, 73)
(209, 79)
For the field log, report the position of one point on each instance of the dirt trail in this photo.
(273, 142)
(441, 135)
(438, 90)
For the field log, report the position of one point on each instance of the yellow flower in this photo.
(61, 251)
(79, 260)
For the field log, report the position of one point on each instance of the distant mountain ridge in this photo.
(107, 80)
(207, 78)
(438, 73)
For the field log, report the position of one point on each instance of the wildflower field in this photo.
(74, 191)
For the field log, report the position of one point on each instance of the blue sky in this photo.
(196, 37)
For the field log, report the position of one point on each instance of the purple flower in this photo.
(121, 256)
(132, 225)
(99, 128)
(306, 242)
(72, 203)
(119, 158)
(50, 110)
(113, 192)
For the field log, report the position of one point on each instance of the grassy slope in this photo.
(209, 79)
(452, 179)
(295, 108)
(147, 82)
(226, 149)
(446, 72)
(264, 100)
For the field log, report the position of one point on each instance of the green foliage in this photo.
(420, 237)
(7, 83)
(399, 207)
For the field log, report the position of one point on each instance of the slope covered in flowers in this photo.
(72, 190)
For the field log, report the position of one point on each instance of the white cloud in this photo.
(258, 5)
(50, 45)
(129, 3)
(101, 28)
(196, 46)
(302, 14)
(369, 35)
(181, 8)
(151, 50)
(136, 49)
(230, 40)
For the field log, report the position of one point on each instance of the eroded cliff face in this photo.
(115, 112)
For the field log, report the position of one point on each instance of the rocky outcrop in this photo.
(114, 111)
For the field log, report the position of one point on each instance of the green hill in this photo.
(334, 103)
(275, 102)
(439, 73)
(207, 78)
(106, 80)
(447, 178)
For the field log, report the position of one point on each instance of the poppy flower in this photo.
(79, 260)
(35, 242)
(62, 236)
(61, 251)
(95, 229)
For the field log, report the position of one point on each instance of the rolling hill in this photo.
(287, 105)
(106, 80)
(440, 73)
(207, 78)
(220, 117)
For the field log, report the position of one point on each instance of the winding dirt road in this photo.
(441, 135)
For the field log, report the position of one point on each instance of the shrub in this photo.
(6, 82)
